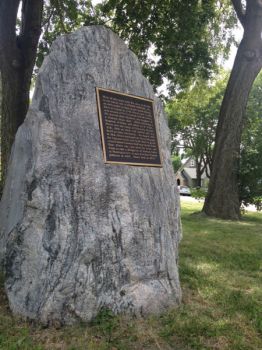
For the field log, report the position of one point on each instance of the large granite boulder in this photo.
(78, 234)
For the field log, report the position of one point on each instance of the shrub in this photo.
(198, 193)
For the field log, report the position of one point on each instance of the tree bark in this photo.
(198, 176)
(223, 196)
(17, 59)
(200, 167)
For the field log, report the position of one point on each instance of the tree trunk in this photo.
(1, 89)
(199, 173)
(223, 198)
(17, 59)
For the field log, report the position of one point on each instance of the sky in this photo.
(238, 33)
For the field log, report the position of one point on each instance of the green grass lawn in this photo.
(221, 277)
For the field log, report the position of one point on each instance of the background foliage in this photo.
(250, 176)
(186, 36)
(193, 116)
(177, 40)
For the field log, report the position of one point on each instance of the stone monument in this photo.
(89, 219)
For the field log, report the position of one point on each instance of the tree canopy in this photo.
(193, 116)
(177, 40)
(61, 17)
(250, 175)
(186, 37)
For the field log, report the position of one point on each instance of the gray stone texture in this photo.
(77, 234)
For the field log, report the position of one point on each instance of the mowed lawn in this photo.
(221, 277)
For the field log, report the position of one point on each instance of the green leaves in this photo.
(60, 17)
(177, 40)
(193, 116)
(186, 37)
(250, 176)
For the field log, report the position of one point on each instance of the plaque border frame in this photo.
(102, 129)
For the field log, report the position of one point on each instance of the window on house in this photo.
(192, 162)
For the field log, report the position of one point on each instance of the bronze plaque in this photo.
(128, 129)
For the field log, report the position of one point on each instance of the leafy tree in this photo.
(189, 114)
(223, 199)
(19, 45)
(186, 36)
(250, 177)
(61, 17)
(176, 162)
(193, 116)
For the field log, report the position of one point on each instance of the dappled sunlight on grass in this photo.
(207, 267)
(221, 261)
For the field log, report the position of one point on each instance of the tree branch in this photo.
(47, 23)
(239, 11)
(59, 9)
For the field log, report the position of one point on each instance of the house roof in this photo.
(189, 171)
(184, 164)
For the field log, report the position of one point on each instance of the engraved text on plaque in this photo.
(128, 129)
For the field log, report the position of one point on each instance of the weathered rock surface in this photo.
(78, 234)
